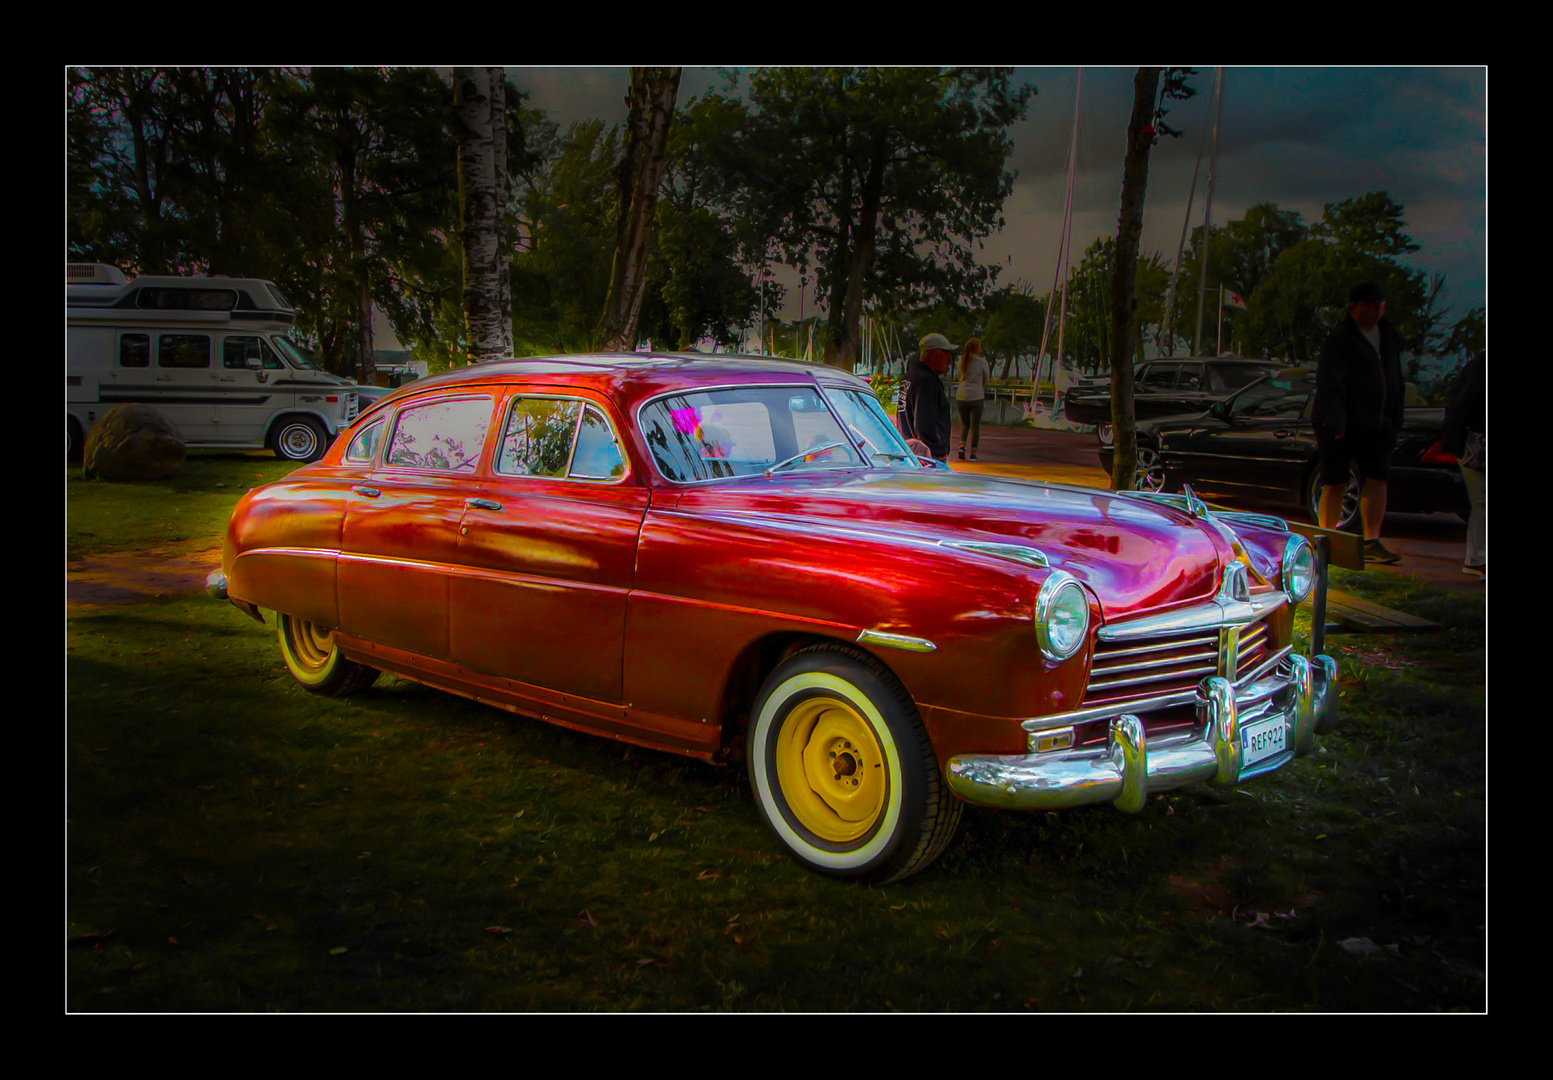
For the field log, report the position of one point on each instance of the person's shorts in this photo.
(1369, 451)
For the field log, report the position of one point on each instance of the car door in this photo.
(1261, 439)
(399, 546)
(1154, 390)
(547, 547)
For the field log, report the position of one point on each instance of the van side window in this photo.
(235, 352)
(183, 351)
(134, 350)
(364, 445)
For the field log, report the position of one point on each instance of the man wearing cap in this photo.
(924, 412)
(1358, 412)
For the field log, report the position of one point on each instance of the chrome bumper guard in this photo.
(1301, 690)
(215, 585)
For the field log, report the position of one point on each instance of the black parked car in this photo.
(1166, 387)
(1259, 443)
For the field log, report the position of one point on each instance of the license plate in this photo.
(1260, 740)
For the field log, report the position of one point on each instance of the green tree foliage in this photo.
(1016, 318)
(1241, 253)
(883, 180)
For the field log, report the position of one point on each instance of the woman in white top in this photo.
(973, 392)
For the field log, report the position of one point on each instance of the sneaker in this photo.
(1376, 552)
(1476, 571)
(962, 454)
(973, 455)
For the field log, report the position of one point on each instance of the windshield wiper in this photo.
(807, 455)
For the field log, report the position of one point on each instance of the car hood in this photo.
(1134, 554)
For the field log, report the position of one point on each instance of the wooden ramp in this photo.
(1352, 613)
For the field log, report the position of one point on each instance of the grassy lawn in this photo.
(237, 844)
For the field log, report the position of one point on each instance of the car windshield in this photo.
(871, 429)
(1228, 377)
(295, 355)
(1276, 395)
(741, 431)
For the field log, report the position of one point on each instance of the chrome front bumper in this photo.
(1300, 690)
(215, 585)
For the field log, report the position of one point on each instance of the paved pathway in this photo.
(1431, 545)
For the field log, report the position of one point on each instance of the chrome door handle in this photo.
(483, 504)
(370, 493)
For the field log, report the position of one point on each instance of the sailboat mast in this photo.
(1207, 220)
(1186, 221)
(1060, 274)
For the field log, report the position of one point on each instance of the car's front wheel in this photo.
(314, 659)
(301, 439)
(843, 770)
(1152, 475)
(1350, 509)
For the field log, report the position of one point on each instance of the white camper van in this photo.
(209, 354)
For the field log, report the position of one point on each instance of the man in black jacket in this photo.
(1358, 412)
(924, 412)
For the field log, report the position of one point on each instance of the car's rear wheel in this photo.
(843, 770)
(314, 659)
(1350, 508)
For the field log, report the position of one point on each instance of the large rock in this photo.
(133, 442)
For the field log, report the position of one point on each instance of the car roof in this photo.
(633, 377)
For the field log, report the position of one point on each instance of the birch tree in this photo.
(479, 101)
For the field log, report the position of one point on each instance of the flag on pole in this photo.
(1232, 299)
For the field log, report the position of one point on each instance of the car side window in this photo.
(538, 438)
(1191, 377)
(364, 445)
(1159, 377)
(446, 434)
(597, 456)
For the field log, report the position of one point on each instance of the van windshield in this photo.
(295, 355)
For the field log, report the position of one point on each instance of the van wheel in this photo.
(298, 438)
(843, 770)
(316, 662)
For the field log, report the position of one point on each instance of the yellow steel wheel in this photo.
(843, 770)
(831, 769)
(316, 662)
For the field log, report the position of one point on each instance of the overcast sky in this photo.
(1297, 137)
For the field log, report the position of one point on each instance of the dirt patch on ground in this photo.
(132, 577)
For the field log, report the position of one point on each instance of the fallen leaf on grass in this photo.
(708, 875)
(88, 938)
(644, 963)
(337, 950)
(498, 929)
(585, 917)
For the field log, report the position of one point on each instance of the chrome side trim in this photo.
(895, 641)
(1017, 552)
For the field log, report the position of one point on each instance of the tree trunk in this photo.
(1124, 453)
(652, 107)
(479, 97)
(844, 354)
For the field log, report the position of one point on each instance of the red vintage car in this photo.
(729, 556)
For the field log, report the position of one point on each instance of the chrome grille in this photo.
(1169, 663)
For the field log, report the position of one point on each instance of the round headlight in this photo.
(1061, 616)
(1299, 568)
